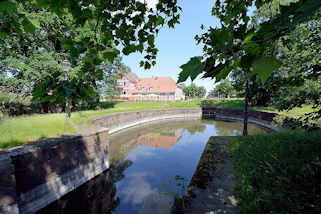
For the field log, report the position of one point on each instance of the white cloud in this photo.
(137, 188)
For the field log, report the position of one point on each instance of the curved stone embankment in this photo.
(119, 121)
(260, 118)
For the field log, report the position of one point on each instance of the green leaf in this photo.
(219, 38)
(223, 73)
(8, 7)
(42, 3)
(28, 26)
(160, 20)
(47, 99)
(191, 69)
(67, 43)
(183, 75)
(248, 37)
(3, 35)
(264, 66)
(111, 54)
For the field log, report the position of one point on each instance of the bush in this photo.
(13, 105)
(279, 172)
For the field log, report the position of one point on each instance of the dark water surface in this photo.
(151, 165)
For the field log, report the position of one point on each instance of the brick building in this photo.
(133, 88)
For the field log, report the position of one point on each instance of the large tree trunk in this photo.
(246, 113)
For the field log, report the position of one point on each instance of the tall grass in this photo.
(278, 173)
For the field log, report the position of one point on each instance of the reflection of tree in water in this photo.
(97, 196)
(196, 128)
(232, 128)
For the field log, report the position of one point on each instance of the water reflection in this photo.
(145, 161)
(161, 140)
(231, 128)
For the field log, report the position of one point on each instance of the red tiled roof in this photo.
(131, 77)
(155, 85)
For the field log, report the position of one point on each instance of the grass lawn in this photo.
(18, 130)
(239, 104)
(278, 172)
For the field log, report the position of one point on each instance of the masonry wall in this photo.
(37, 174)
(118, 121)
(8, 196)
(263, 119)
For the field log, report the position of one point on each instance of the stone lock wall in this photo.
(8, 196)
(263, 119)
(37, 174)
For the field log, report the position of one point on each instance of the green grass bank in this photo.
(22, 129)
(278, 172)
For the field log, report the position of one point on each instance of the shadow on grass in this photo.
(224, 103)
(107, 104)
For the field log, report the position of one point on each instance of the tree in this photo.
(86, 33)
(238, 45)
(297, 52)
(301, 67)
(127, 22)
(194, 91)
(21, 74)
(223, 89)
(112, 72)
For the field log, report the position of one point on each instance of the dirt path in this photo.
(212, 185)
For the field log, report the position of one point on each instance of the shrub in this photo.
(279, 172)
(13, 105)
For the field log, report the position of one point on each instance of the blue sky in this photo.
(176, 46)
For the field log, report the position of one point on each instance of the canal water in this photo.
(150, 166)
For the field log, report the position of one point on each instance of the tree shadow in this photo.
(107, 104)
(97, 196)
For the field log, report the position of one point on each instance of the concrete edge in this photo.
(261, 123)
(153, 119)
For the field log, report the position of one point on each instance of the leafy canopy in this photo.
(118, 25)
(239, 44)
